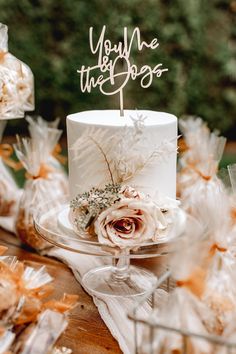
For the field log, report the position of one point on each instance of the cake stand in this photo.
(118, 278)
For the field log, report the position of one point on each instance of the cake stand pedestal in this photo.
(119, 278)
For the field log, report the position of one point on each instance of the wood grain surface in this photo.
(86, 332)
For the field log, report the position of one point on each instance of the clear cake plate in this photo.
(51, 221)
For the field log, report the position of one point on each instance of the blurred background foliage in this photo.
(197, 44)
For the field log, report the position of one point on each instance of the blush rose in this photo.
(129, 223)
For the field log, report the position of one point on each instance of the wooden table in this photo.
(86, 332)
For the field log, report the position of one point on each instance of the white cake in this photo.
(159, 128)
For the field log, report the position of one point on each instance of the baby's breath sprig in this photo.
(91, 203)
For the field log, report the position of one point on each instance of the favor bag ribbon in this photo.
(2, 56)
(202, 175)
(6, 151)
(183, 146)
(43, 172)
(195, 283)
(57, 154)
(193, 167)
(215, 247)
(205, 177)
(233, 214)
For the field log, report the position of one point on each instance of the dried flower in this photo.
(120, 216)
(88, 205)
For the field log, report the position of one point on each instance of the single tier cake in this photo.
(139, 147)
(122, 176)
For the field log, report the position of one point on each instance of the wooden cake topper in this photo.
(107, 64)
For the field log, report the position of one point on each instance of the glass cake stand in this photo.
(118, 278)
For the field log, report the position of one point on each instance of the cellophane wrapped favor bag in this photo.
(204, 299)
(50, 134)
(220, 290)
(9, 191)
(229, 335)
(198, 178)
(202, 147)
(40, 187)
(192, 128)
(183, 309)
(16, 82)
(30, 322)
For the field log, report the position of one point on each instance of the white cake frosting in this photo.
(158, 177)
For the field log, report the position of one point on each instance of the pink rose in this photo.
(130, 222)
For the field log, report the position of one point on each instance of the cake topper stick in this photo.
(107, 81)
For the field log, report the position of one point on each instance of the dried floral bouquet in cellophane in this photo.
(30, 322)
